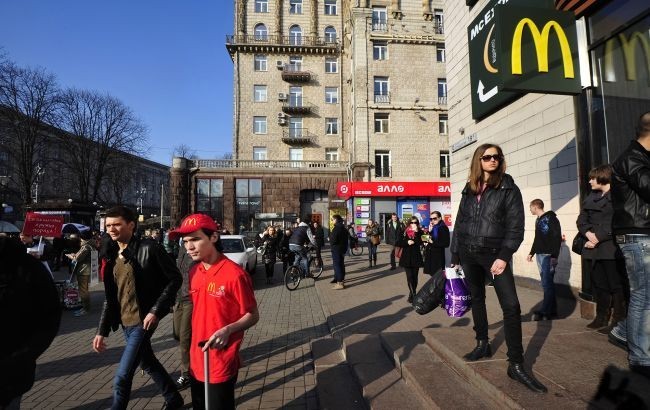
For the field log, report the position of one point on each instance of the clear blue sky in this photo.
(166, 59)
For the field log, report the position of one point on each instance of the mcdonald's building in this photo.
(559, 85)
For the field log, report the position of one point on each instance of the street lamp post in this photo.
(141, 193)
(38, 173)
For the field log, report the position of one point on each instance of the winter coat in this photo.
(339, 238)
(631, 191)
(411, 254)
(319, 235)
(596, 216)
(393, 234)
(434, 252)
(373, 231)
(496, 221)
(548, 235)
(270, 244)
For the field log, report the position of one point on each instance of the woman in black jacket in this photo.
(435, 245)
(268, 246)
(600, 252)
(489, 229)
(411, 259)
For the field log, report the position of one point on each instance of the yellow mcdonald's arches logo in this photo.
(190, 222)
(628, 46)
(211, 287)
(541, 46)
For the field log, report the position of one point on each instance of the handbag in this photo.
(578, 243)
(398, 252)
(375, 239)
(431, 295)
(458, 300)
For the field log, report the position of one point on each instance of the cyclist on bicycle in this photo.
(301, 239)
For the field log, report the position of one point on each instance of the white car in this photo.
(241, 250)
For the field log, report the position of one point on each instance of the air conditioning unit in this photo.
(282, 97)
(279, 64)
(282, 121)
(282, 115)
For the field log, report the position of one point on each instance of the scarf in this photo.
(410, 233)
(435, 230)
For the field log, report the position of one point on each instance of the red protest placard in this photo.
(42, 225)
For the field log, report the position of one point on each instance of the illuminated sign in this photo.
(372, 189)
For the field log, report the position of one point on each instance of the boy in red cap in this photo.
(224, 306)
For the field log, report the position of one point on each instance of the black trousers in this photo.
(269, 268)
(606, 276)
(476, 265)
(222, 395)
(412, 279)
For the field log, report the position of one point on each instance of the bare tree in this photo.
(184, 151)
(28, 98)
(102, 127)
(227, 155)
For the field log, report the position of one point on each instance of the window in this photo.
(330, 7)
(440, 53)
(261, 6)
(442, 91)
(331, 126)
(330, 34)
(259, 125)
(260, 93)
(295, 154)
(295, 97)
(331, 154)
(248, 201)
(295, 63)
(295, 6)
(380, 50)
(331, 65)
(382, 94)
(443, 126)
(259, 154)
(209, 197)
(260, 62)
(381, 122)
(382, 164)
(331, 95)
(295, 127)
(444, 164)
(379, 19)
(438, 21)
(261, 32)
(295, 35)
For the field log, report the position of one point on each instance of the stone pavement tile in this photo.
(270, 404)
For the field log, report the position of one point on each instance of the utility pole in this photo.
(39, 172)
(141, 193)
(162, 209)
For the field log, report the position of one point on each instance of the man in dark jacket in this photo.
(140, 282)
(394, 231)
(339, 246)
(630, 188)
(29, 318)
(546, 248)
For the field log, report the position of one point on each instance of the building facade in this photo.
(328, 92)
(550, 140)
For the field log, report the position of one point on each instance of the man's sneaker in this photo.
(617, 341)
(338, 286)
(182, 382)
(174, 404)
(80, 312)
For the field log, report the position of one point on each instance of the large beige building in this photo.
(328, 92)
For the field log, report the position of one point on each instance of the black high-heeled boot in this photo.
(517, 372)
(481, 350)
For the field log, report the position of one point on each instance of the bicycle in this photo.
(295, 272)
(356, 248)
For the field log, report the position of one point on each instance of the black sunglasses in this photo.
(435, 218)
(495, 157)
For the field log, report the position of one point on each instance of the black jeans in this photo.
(393, 264)
(412, 279)
(476, 265)
(338, 262)
(222, 395)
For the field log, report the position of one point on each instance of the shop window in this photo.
(209, 197)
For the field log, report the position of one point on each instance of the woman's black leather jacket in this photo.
(496, 222)
(157, 280)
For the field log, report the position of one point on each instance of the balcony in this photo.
(206, 164)
(297, 105)
(382, 98)
(267, 43)
(297, 136)
(295, 73)
(442, 100)
(379, 25)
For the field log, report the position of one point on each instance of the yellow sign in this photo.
(541, 46)
(628, 46)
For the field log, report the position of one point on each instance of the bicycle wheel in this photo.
(315, 270)
(292, 278)
(357, 250)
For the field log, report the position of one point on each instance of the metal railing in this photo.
(247, 163)
(379, 25)
(309, 41)
(382, 98)
(297, 133)
(442, 100)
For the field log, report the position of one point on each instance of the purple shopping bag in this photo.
(457, 297)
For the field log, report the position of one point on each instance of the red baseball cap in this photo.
(193, 223)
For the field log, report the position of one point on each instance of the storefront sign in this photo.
(539, 50)
(43, 225)
(371, 189)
